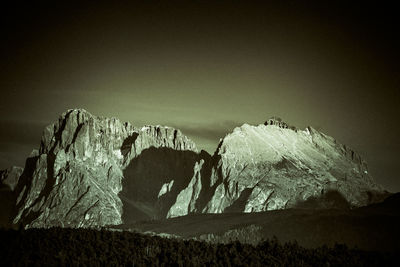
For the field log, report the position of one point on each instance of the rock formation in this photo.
(76, 177)
(8, 181)
(272, 166)
(94, 171)
(9, 177)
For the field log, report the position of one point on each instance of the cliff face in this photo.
(95, 171)
(76, 177)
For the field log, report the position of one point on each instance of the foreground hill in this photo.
(95, 171)
(373, 228)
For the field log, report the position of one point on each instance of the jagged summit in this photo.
(79, 110)
(278, 122)
(77, 175)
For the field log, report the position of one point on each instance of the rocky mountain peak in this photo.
(278, 122)
(263, 168)
(78, 172)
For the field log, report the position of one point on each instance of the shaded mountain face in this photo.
(9, 177)
(8, 181)
(153, 180)
(95, 171)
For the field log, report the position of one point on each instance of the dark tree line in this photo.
(83, 247)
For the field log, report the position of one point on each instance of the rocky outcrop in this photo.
(77, 176)
(278, 122)
(95, 171)
(9, 177)
(8, 181)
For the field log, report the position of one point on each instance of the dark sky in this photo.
(206, 68)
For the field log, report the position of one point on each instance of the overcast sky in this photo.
(205, 68)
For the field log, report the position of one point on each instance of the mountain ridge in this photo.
(94, 171)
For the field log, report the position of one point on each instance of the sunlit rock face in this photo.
(77, 175)
(275, 166)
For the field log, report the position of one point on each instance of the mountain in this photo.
(76, 178)
(95, 171)
(274, 166)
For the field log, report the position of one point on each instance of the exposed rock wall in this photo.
(78, 173)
